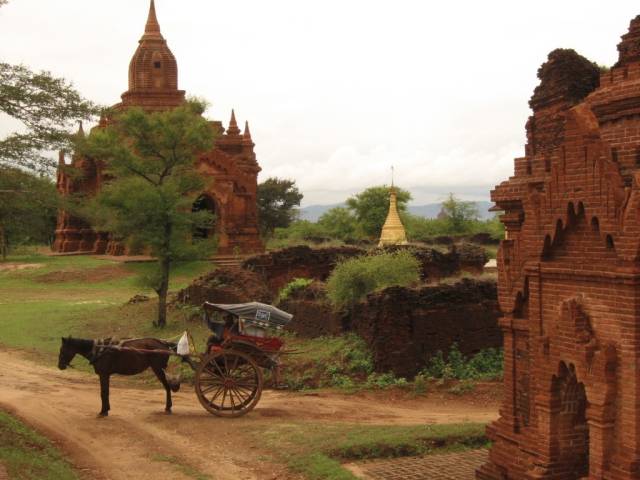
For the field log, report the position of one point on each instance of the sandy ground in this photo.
(12, 267)
(132, 442)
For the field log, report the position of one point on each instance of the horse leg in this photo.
(163, 379)
(104, 395)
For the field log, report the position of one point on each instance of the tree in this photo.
(48, 108)
(152, 160)
(277, 199)
(460, 214)
(372, 206)
(27, 208)
(340, 223)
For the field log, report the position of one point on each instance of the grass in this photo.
(341, 361)
(317, 450)
(29, 456)
(35, 313)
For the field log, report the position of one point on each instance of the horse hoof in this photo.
(103, 414)
(168, 411)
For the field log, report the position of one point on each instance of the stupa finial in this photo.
(152, 26)
(233, 125)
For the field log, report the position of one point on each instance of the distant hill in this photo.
(313, 212)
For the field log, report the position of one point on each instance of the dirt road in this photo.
(138, 441)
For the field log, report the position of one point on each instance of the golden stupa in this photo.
(393, 232)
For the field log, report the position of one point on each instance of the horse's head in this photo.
(67, 352)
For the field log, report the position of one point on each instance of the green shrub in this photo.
(384, 381)
(420, 384)
(352, 279)
(292, 287)
(485, 365)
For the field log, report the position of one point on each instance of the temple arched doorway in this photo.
(205, 203)
(570, 409)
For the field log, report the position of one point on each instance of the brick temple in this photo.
(153, 86)
(569, 278)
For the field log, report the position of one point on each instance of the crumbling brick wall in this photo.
(404, 327)
(226, 285)
(278, 268)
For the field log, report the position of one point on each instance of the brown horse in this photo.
(107, 361)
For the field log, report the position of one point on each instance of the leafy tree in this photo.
(151, 158)
(277, 202)
(47, 107)
(27, 208)
(340, 223)
(372, 206)
(459, 214)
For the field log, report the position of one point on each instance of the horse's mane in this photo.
(80, 343)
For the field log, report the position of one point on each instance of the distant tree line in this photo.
(365, 213)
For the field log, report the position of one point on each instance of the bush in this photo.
(352, 279)
(485, 365)
(292, 287)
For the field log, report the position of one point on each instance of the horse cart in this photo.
(228, 375)
(229, 378)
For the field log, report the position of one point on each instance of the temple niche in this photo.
(231, 164)
(569, 278)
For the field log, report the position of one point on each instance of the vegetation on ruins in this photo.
(277, 202)
(27, 208)
(292, 287)
(48, 108)
(151, 158)
(485, 365)
(353, 279)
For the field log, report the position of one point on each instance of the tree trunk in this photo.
(3, 244)
(165, 265)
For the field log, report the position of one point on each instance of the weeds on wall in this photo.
(292, 287)
(485, 365)
(353, 279)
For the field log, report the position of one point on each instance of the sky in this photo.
(337, 91)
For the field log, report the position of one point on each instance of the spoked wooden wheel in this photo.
(228, 383)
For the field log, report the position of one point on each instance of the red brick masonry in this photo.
(232, 165)
(569, 278)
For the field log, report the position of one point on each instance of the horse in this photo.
(108, 361)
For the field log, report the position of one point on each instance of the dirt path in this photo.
(138, 441)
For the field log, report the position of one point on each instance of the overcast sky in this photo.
(337, 91)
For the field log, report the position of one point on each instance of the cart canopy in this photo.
(260, 313)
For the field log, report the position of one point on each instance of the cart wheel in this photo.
(228, 383)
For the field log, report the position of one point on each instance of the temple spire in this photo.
(233, 125)
(247, 133)
(152, 27)
(393, 232)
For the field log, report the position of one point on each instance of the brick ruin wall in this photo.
(278, 268)
(569, 278)
(226, 285)
(404, 327)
